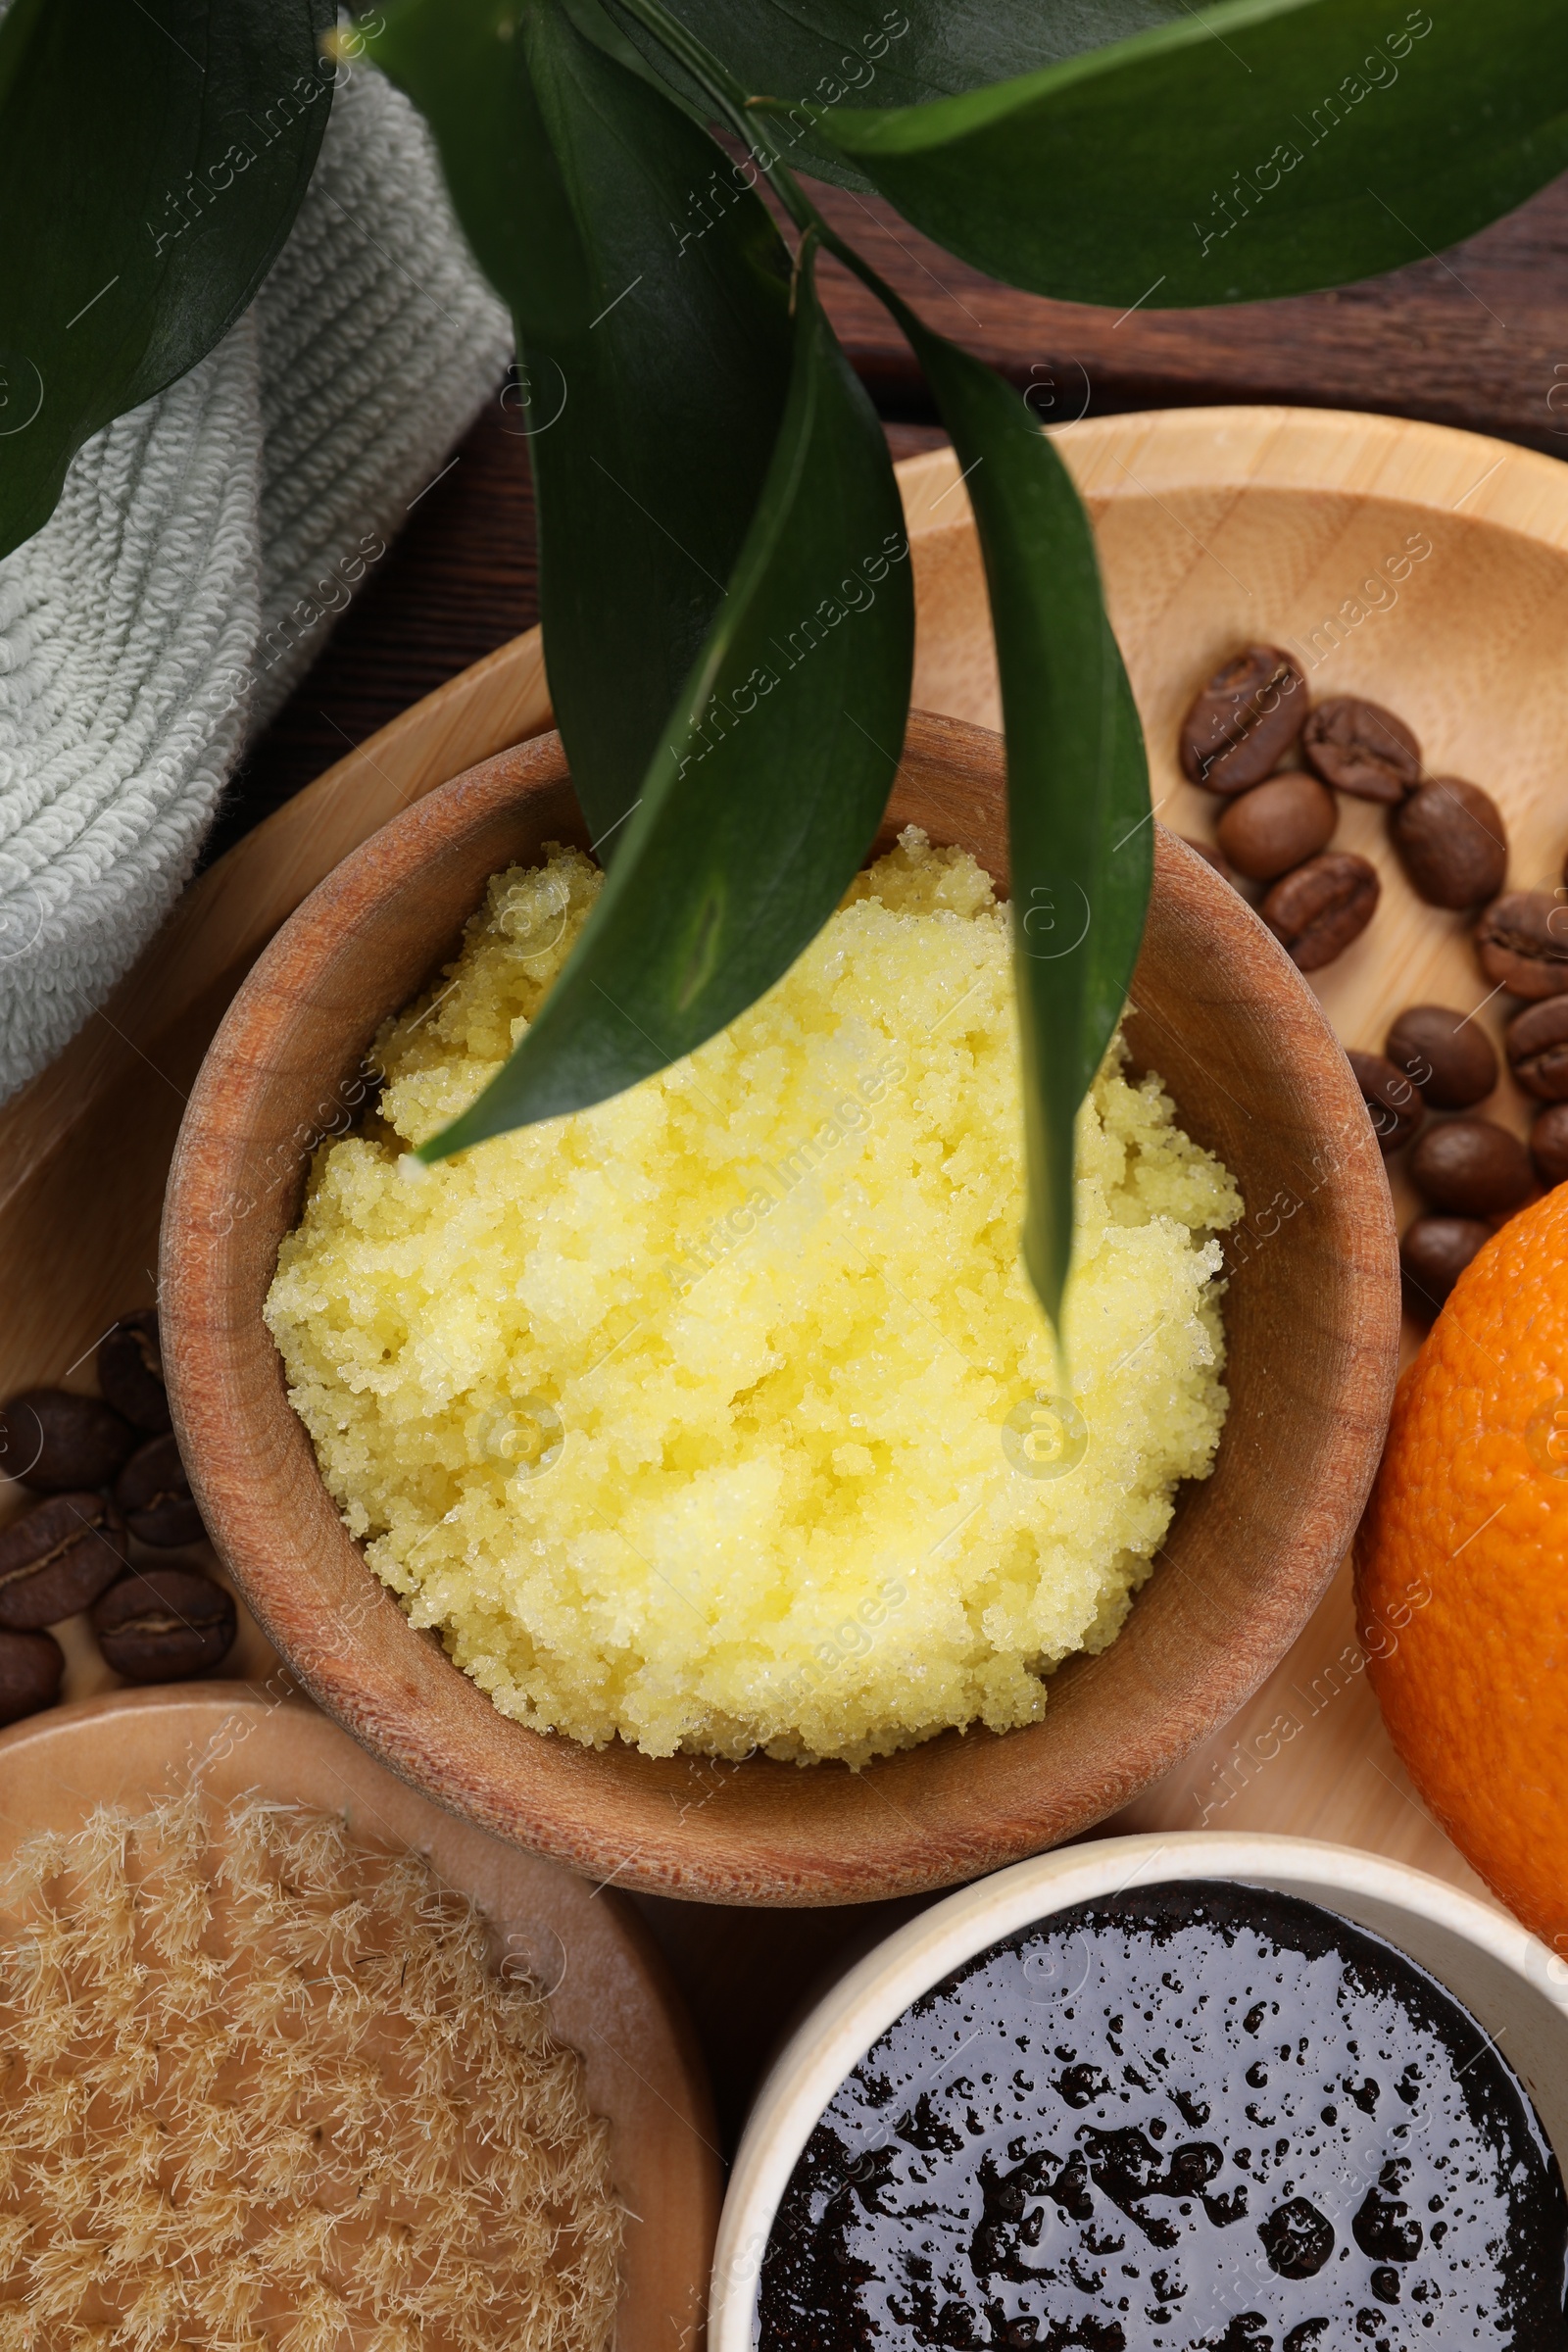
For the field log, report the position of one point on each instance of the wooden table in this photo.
(1478, 337)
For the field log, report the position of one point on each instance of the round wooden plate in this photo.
(1215, 524)
(607, 1992)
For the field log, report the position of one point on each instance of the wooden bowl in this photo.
(1312, 1317)
(611, 1998)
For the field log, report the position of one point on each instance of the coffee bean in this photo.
(1471, 1168)
(1362, 749)
(57, 1558)
(1319, 908)
(1434, 1253)
(1522, 941)
(1266, 831)
(131, 1370)
(30, 1668)
(155, 1496)
(1245, 721)
(58, 1443)
(1549, 1143)
(1395, 1109)
(1449, 1058)
(1536, 1040)
(1452, 842)
(160, 1625)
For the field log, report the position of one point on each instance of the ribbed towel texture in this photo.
(202, 549)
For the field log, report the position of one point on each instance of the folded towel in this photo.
(202, 549)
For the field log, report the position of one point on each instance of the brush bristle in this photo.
(262, 2091)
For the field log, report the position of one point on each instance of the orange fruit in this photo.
(1462, 1568)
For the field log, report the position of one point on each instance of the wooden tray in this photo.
(607, 1989)
(1215, 526)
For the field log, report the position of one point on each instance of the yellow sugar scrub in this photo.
(719, 1417)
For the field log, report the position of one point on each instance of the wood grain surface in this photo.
(610, 1992)
(1472, 337)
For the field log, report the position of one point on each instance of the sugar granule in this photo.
(704, 1417)
(263, 2091)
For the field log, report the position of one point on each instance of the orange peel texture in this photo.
(1462, 1568)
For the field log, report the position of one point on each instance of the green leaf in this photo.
(1261, 147)
(152, 160)
(1080, 826)
(770, 780)
(650, 295)
(890, 52)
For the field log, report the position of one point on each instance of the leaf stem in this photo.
(742, 111)
(747, 118)
(695, 55)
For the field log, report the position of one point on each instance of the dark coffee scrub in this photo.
(1195, 2118)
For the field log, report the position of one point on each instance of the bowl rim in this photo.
(836, 2034)
(582, 1806)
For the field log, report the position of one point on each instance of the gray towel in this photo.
(202, 549)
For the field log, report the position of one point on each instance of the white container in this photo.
(1510, 1983)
